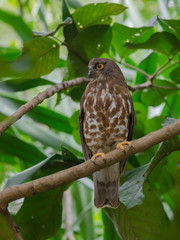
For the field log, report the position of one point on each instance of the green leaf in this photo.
(154, 96)
(109, 230)
(140, 222)
(45, 136)
(18, 24)
(131, 192)
(84, 47)
(38, 132)
(96, 14)
(149, 65)
(175, 75)
(171, 25)
(173, 101)
(163, 42)
(70, 31)
(76, 136)
(45, 218)
(122, 34)
(39, 57)
(165, 148)
(9, 54)
(24, 175)
(16, 147)
(42, 54)
(169, 121)
(74, 4)
(53, 163)
(39, 114)
(22, 84)
(6, 231)
(82, 197)
(74, 119)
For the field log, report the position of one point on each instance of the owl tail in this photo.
(106, 187)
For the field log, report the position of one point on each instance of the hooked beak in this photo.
(90, 72)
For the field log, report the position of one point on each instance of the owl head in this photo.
(102, 67)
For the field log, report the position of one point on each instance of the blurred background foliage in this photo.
(142, 35)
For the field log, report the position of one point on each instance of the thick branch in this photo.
(39, 99)
(65, 176)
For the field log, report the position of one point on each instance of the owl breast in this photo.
(105, 117)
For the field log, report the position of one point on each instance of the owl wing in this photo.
(132, 120)
(86, 151)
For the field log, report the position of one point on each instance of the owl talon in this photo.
(97, 155)
(120, 145)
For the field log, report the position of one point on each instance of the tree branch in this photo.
(84, 169)
(39, 99)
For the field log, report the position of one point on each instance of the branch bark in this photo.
(65, 176)
(12, 224)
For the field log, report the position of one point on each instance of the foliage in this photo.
(30, 62)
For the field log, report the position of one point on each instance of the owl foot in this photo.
(120, 145)
(100, 154)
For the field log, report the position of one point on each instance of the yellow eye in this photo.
(99, 66)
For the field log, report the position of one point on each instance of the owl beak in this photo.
(90, 72)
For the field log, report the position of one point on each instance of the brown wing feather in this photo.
(132, 121)
(86, 151)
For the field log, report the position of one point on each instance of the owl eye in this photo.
(99, 66)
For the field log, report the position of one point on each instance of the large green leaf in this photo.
(44, 219)
(43, 135)
(171, 25)
(38, 132)
(173, 105)
(70, 31)
(24, 175)
(149, 65)
(39, 57)
(48, 166)
(154, 96)
(163, 42)
(84, 47)
(17, 23)
(109, 230)
(43, 54)
(131, 192)
(141, 222)
(96, 14)
(6, 232)
(9, 53)
(11, 145)
(74, 3)
(40, 114)
(122, 34)
(82, 199)
(175, 75)
(21, 84)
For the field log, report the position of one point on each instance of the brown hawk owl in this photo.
(106, 121)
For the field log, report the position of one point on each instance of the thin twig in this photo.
(132, 67)
(160, 69)
(166, 87)
(12, 224)
(66, 22)
(20, 8)
(163, 98)
(169, 66)
(136, 69)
